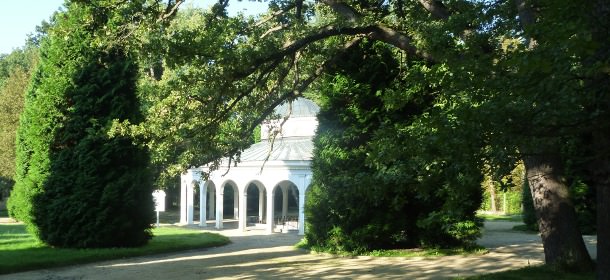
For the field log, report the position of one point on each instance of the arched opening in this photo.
(286, 206)
(210, 197)
(196, 200)
(230, 201)
(255, 204)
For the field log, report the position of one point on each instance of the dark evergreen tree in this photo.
(529, 213)
(371, 189)
(77, 184)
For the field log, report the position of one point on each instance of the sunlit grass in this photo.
(500, 217)
(407, 253)
(428, 252)
(20, 251)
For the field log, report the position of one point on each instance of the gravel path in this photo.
(256, 255)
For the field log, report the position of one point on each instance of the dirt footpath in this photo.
(255, 255)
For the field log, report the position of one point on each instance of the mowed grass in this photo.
(20, 251)
(500, 217)
(534, 272)
(428, 252)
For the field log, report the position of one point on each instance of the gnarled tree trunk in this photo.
(601, 138)
(603, 223)
(561, 237)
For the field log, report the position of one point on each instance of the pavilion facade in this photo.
(267, 188)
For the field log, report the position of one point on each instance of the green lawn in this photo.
(19, 251)
(428, 252)
(533, 272)
(501, 217)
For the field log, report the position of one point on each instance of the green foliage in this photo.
(76, 185)
(584, 198)
(361, 200)
(17, 66)
(506, 190)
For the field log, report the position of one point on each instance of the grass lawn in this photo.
(533, 272)
(428, 252)
(407, 253)
(19, 250)
(500, 217)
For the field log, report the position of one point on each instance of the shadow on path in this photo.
(257, 255)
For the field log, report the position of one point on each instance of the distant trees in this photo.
(77, 184)
(15, 71)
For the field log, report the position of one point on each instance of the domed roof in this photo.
(301, 107)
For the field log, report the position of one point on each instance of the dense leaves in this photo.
(77, 186)
(371, 188)
(15, 72)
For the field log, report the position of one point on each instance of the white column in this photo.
(305, 180)
(270, 211)
(182, 202)
(302, 212)
(212, 204)
(243, 203)
(189, 203)
(219, 206)
(202, 204)
(284, 202)
(261, 205)
(235, 203)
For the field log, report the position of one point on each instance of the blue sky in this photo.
(18, 18)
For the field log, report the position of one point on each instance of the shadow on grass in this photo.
(22, 252)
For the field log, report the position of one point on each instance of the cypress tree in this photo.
(529, 213)
(76, 185)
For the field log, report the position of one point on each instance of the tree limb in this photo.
(343, 9)
(274, 15)
(170, 10)
(527, 18)
(376, 32)
(436, 8)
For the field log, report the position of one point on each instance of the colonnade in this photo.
(211, 206)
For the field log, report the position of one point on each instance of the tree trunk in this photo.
(561, 238)
(600, 171)
(601, 138)
(492, 197)
(603, 227)
(504, 203)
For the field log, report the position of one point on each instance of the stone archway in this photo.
(227, 203)
(207, 202)
(254, 204)
(286, 206)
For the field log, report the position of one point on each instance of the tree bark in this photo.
(603, 225)
(599, 171)
(492, 197)
(561, 237)
(601, 138)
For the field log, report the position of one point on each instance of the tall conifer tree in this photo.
(76, 185)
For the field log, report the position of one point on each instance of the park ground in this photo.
(257, 255)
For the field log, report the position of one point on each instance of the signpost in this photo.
(159, 199)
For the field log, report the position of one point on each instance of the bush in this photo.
(371, 189)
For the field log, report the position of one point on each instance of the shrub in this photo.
(372, 188)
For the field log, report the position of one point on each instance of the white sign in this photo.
(159, 199)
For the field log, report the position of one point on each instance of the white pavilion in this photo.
(266, 189)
